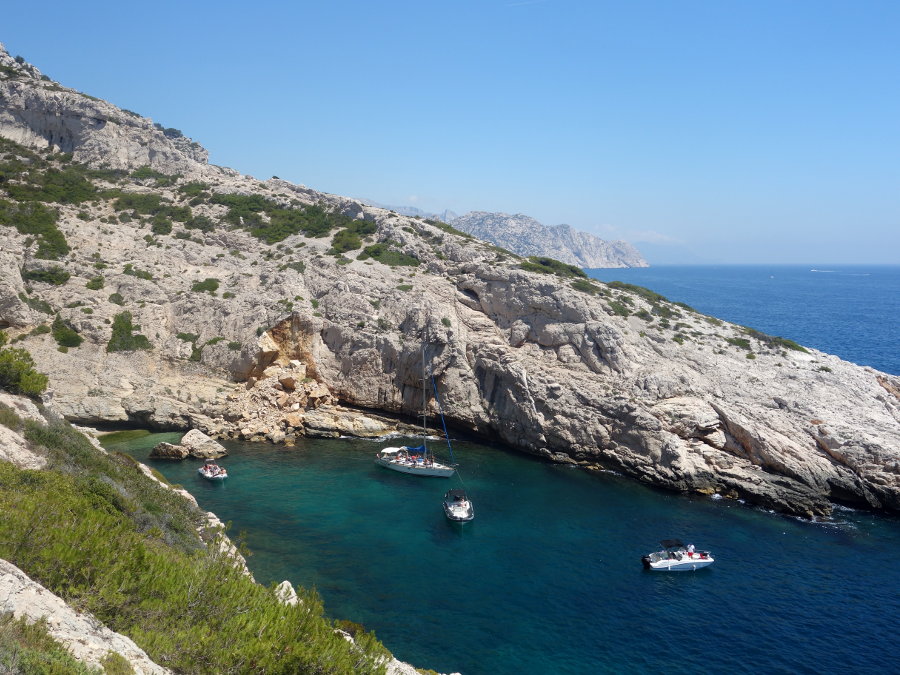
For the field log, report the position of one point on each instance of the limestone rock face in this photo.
(13, 446)
(296, 337)
(13, 310)
(42, 113)
(526, 236)
(87, 639)
(201, 446)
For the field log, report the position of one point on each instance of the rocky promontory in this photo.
(528, 237)
(263, 309)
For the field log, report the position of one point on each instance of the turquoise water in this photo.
(548, 579)
(850, 311)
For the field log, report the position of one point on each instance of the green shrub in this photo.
(36, 303)
(446, 321)
(9, 418)
(161, 224)
(201, 223)
(618, 309)
(17, 373)
(404, 287)
(124, 338)
(773, 341)
(188, 337)
(96, 283)
(208, 285)
(448, 228)
(551, 266)
(193, 189)
(67, 186)
(383, 253)
(344, 241)
(64, 334)
(650, 296)
(131, 270)
(56, 276)
(227, 295)
(586, 286)
(741, 343)
(36, 219)
(116, 299)
(234, 346)
(268, 221)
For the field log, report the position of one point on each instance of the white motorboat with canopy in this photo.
(674, 556)
(419, 460)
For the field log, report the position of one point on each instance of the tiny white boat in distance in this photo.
(457, 506)
(212, 471)
(676, 557)
(413, 460)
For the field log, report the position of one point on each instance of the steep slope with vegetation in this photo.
(202, 298)
(138, 556)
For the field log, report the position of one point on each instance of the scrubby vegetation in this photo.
(37, 220)
(131, 270)
(17, 372)
(385, 253)
(552, 266)
(270, 222)
(774, 341)
(64, 334)
(55, 276)
(585, 286)
(208, 285)
(112, 542)
(124, 338)
(29, 648)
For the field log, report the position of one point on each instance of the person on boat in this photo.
(690, 550)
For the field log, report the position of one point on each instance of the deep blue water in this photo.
(547, 579)
(850, 311)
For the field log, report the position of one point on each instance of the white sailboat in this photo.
(418, 460)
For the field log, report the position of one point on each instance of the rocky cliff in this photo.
(258, 309)
(527, 237)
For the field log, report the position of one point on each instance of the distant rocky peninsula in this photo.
(528, 237)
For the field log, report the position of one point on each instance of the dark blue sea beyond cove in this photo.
(548, 579)
(850, 311)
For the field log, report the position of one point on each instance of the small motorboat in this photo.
(212, 471)
(674, 556)
(458, 507)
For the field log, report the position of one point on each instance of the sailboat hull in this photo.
(436, 470)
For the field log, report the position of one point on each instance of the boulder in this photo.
(334, 422)
(201, 446)
(169, 451)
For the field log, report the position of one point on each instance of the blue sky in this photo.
(700, 131)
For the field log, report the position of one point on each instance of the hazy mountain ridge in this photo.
(526, 236)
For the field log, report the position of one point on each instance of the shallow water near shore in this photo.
(548, 579)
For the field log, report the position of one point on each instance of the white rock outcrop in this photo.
(88, 640)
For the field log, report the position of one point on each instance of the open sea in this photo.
(852, 311)
(548, 579)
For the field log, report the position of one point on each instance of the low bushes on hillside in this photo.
(111, 542)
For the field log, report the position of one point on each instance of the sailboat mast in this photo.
(424, 403)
